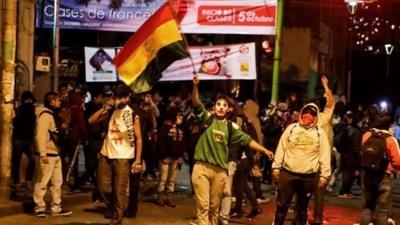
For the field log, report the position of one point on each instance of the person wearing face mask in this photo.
(301, 164)
(171, 148)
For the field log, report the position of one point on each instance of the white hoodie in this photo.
(304, 150)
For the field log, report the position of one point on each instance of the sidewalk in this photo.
(337, 211)
(23, 202)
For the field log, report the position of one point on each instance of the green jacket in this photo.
(212, 146)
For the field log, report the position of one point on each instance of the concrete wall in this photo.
(1, 25)
(26, 32)
(296, 46)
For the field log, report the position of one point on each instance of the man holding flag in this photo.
(155, 46)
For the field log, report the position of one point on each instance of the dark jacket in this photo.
(351, 155)
(24, 122)
(272, 130)
(171, 140)
(77, 126)
(235, 152)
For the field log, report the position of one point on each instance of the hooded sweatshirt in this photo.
(304, 150)
(45, 123)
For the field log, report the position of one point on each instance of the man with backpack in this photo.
(48, 161)
(380, 155)
(211, 155)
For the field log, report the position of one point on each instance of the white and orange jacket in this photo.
(393, 150)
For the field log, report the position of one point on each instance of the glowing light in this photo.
(377, 18)
(357, 42)
(362, 36)
(366, 38)
(376, 30)
(352, 3)
(393, 26)
(383, 105)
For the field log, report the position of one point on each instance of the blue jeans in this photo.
(377, 193)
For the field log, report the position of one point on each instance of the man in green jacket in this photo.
(211, 155)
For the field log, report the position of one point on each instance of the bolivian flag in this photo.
(147, 53)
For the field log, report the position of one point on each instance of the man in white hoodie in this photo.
(302, 162)
(47, 159)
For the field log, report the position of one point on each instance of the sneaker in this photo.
(329, 189)
(346, 196)
(41, 214)
(319, 222)
(391, 221)
(223, 222)
(161, 202)
(193, 222)
(62, 213)
(130, 214)
(253, 213)
(236, 213)
(263, 200)
(99, 204)
(169, 203)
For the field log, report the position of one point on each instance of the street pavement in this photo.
(337, 211)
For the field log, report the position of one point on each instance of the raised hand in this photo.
(196, 80)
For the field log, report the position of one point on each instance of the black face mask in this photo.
(121, 105)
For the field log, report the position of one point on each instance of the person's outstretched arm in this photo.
(330, 100)
(326, 115)
(196, 102)
(259, 148)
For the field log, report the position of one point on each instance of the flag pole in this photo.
(182, 35)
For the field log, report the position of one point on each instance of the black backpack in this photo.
(374, 152)
(58, 138)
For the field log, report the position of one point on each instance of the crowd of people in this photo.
(298, 147)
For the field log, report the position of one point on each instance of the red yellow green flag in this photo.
(148, 52)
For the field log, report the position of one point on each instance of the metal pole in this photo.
(387, 66)
(349, 58)
(56, 45)
(277, 53)
(7, 66)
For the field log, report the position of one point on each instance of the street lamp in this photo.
(352, 5)
(388, 49)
